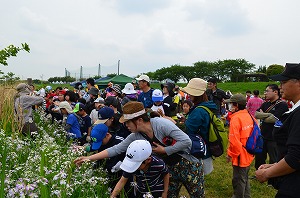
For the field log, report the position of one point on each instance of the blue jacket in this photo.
(198, 121)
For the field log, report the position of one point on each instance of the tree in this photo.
(233, 68)
(203, 69)
(11, 50)
(274, 69)
(9, 78)
(175, 72)
(111, 75)
(261, 69)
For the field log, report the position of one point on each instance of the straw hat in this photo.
(195, 87)
(132, 110)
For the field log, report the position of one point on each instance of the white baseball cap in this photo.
(137, 152)
(157, 95)
(143, 77)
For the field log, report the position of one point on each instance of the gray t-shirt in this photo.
(162, 128)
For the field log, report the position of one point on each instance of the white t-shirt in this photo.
(155, 108)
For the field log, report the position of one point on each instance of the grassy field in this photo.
(218, 183)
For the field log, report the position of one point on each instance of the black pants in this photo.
(28, 128)
(270, 148)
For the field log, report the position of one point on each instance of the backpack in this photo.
(217, 135)
(255, 141)
(199, 148)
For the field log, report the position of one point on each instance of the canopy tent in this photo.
(104, 78)
(118, 79)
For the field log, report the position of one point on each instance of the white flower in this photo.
(148, 195)
(62, 182)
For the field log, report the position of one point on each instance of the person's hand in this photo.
(182, 117)
(228, 158)
(81, 160)
(261, 175)
(160, 112)
(265, 166)
(88, 138)
(158, 148)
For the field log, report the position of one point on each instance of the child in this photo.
(186, 106)
(150, 171)
(157, 98)
(85, 124)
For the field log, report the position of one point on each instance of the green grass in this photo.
(218, 183)
(234, 87)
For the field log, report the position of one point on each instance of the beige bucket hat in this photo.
(195, 87)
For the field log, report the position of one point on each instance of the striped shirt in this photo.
(152, 179)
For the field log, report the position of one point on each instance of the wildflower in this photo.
(148, 195)
(62, 182)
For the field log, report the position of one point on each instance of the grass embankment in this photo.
(234, 87)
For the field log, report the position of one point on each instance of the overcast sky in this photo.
(145, 34)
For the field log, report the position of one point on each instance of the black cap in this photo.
(291, 71)
(111, 100)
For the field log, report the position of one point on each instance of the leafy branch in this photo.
(12, 50)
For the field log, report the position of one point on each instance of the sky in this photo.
(145, 35)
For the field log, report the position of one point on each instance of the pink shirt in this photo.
(253, 104)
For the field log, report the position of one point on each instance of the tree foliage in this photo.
(12, 50)
(274, 69)
(8, 78)
(223, 70)
(111, 75)
(61, 79)
(262, 69)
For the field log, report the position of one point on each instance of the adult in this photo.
(130, 94)
(216, 95)
(181, 164)
(285, 174)
(269, 112)
(254, 103)
(248, 95)
(99, 103)
(23, 103)
(93, 95)
(240, 128)
(168, 94)
(198, 119)
(71, 98)
(90, 83)
(145, 96)
(116, 91)
(116, 127)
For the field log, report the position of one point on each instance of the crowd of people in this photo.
(143, 133)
